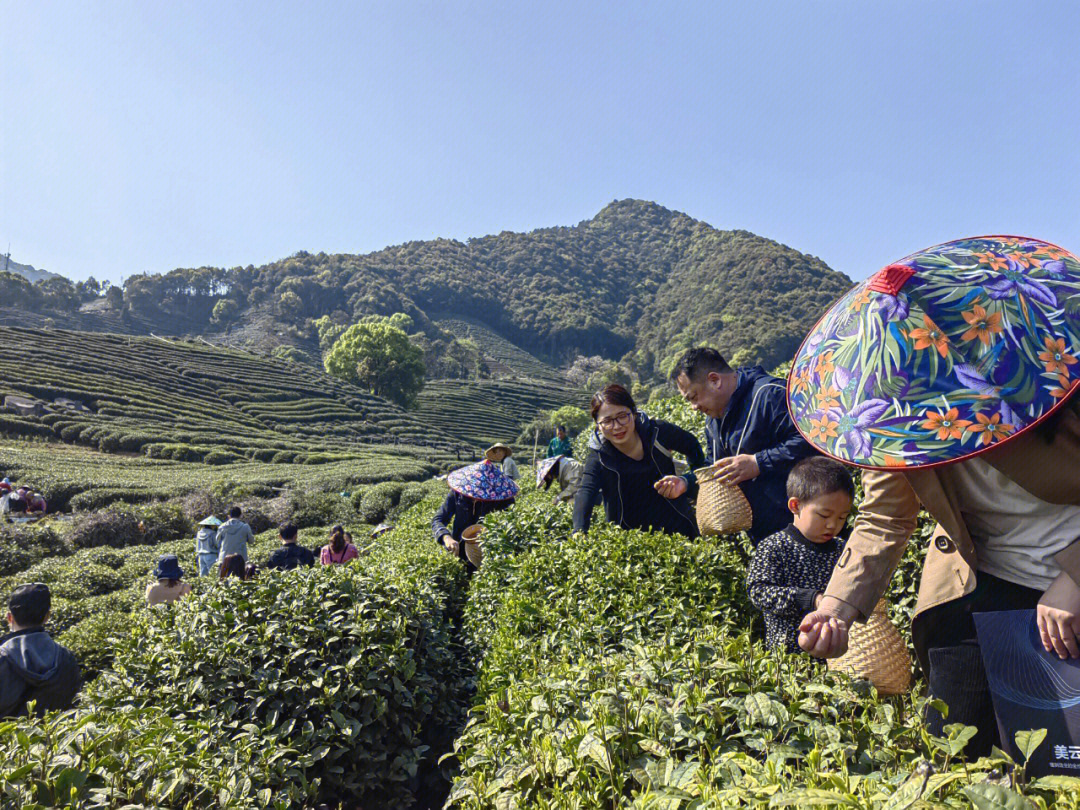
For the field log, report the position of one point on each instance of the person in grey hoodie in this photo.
(32, 665)
(207, 546)
(233, 536)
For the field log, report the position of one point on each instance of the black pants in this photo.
(948, 650)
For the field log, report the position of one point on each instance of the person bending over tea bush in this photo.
(234, 566)
(791, 568)
(33, 667)
(290, 555)
(475, 491)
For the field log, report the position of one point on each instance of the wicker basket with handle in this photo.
(473, 537)
(721, 508)
(876, 653)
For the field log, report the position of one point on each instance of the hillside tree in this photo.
(225, 312)
(377, 355)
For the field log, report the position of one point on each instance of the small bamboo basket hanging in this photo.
(721, 508)
(473, 537)
(876, 653)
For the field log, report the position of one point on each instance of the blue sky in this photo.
(140, 137)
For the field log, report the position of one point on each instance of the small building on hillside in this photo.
(24, 406)
(70, 404)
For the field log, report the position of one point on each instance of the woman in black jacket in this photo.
(629, 462)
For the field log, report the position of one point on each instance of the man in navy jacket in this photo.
(749, 434)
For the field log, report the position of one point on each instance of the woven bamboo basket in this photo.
(876, 653)
(473, 537)
(721, 508)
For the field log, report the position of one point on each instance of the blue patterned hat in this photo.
(483, 482)
(942, 355)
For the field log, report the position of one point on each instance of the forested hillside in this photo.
(637, 281)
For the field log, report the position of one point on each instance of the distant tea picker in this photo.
(502, 455)
(562, 469)
(950, 377)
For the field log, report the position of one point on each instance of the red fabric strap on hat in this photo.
(890, 279)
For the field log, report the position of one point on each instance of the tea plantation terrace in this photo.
(504, 359)
(482, 412)
(193, 402)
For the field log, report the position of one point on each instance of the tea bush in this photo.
(21, 546)
(624, 669)
(111, 528)
(378, 500)
(329, 685)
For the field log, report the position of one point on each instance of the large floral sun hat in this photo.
(544, 467)
(483, 482)
(942, 355)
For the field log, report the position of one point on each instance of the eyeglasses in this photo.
(619, 419)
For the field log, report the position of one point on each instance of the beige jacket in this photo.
(569, 479)
(1045, 461)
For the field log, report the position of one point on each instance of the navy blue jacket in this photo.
(757, 422)
(34, 667)
(289, 556)
(630, 500)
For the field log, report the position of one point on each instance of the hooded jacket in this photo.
(757, 422)
(34, 667)
(206, 541)
(630, 501)
(233, 536)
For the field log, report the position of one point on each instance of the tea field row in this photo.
(146, 392)
(78, 477)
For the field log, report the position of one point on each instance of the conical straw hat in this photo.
(483, 482)
(947, 353)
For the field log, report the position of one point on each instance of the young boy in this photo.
(32, 665)
(289, 555)
(791, 568)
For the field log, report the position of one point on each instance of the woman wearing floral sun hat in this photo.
(475, 491)
(949, 377)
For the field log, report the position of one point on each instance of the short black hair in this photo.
(817, 476)
(29, 605)
(235, 512)
(561, 427)
(614, 394)
(698, 362)
(287, 531)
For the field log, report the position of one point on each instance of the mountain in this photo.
(637, 280)
(25, 270)
(496, 315)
